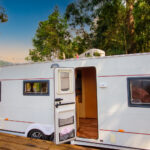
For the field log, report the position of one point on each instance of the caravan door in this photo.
(65, 124)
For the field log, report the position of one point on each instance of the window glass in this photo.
(65, 82)
(139, 91)
(36, 87)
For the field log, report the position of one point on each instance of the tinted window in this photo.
(139, 91)
(36, 87)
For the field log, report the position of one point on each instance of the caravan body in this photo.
(103, 102)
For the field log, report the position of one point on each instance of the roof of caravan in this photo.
(77, 59)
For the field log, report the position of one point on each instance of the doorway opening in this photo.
(86, 103)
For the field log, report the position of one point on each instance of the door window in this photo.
(65, 84)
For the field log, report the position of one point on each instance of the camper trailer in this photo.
(99, 101)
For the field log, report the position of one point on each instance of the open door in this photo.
(65, 123)
(86, 103)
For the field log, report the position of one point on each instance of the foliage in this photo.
(106, 21)
(3, 16)
(96, 54)
(81, 43)
(116, 25)
(52, 40)
(4, 63)
(142, 25)
(110, 30)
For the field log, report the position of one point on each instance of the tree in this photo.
(52, 40)
(142, 25)
(3, 16)
(105, 20)
(81, 43)
(119, 27)
(130, 23)
(116, 26)
(109, 31)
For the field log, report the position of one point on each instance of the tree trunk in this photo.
(131, 44)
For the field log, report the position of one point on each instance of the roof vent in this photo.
(93, 53)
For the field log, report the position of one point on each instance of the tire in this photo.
(51, 137)
(37, 134)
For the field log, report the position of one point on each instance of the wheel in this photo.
(51, 137)
(37, 134)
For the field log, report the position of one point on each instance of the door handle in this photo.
(58, 99)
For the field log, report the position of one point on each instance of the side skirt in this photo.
(101, 145)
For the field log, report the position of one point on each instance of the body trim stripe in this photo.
(26, 79)
(131, 75)
(12, 131)
(19, 121)
(124, 132)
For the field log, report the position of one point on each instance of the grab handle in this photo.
(58, 99)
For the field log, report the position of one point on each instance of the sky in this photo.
(23, 17)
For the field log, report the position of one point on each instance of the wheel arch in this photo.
(46, 129)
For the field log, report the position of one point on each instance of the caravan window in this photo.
(139, 91)
(36, 87)
(64, 81)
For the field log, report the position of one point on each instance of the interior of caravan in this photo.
(86, 103)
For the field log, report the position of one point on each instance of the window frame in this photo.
(36, 94)
(129, 92)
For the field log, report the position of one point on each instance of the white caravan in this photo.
(102, 102)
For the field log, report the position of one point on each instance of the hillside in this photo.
(4, 63)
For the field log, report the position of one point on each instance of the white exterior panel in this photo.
(119, 124)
